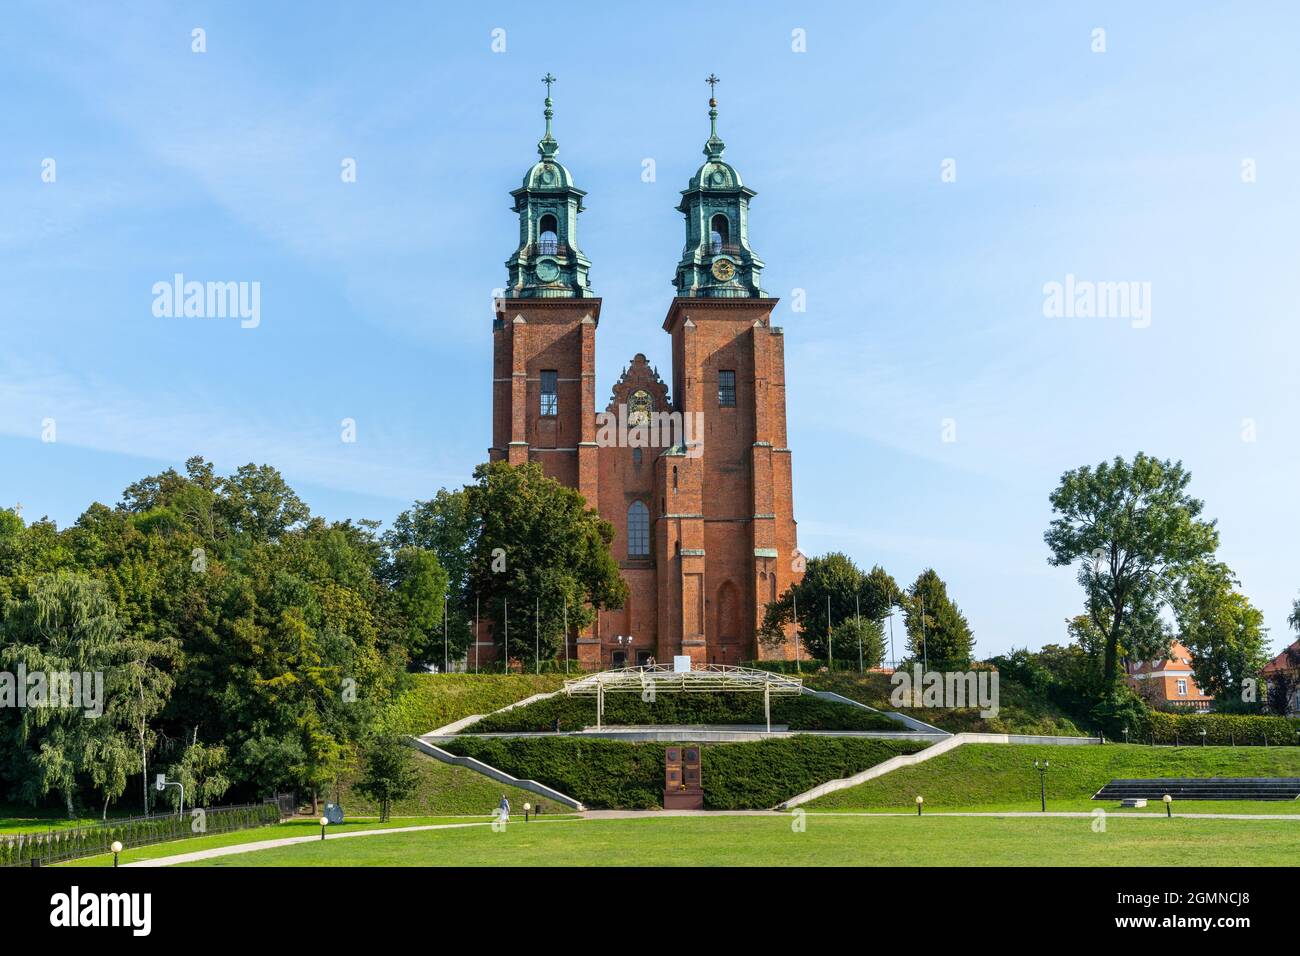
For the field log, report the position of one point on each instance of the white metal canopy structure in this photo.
(655, 679)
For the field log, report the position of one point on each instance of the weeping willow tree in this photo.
(66, 625)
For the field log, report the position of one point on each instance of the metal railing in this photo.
(69, 843)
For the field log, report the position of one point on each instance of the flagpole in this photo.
(475, 633)
(566, 634)
(795, 594)
(830, 651)
(857, 616)
(537, 635)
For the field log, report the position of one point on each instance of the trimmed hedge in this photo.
(741, 776)
(1225, 729)
(575, 713)
(55, 845)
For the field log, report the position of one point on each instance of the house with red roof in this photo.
(1286, 666)
(1168, 684)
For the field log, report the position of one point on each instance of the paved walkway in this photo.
(236, 848)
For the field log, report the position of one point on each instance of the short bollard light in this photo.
(1169, 806)
(1202, 736)
(527, 807)
(324, 822)
(919, 800)
(116, 848)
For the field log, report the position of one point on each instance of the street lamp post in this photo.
(1125, 735)
(527, 808)
(919, 800)
(324, 822)
(1202, 736)
(1169, 806)
(116, 848)
(1041, 767)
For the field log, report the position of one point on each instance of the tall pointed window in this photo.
(548, 243)
(638, 530)
(550, 392)
(726, 388)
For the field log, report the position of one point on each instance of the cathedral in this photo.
(696, 477)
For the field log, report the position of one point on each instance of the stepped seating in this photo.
(1203, 788)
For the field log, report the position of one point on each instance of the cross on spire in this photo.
(548, 79)
(713, 81)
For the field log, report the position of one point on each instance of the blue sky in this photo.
(924, 297)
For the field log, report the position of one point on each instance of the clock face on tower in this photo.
(723, 270)
(547, 271)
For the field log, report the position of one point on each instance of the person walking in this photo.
(504, 807)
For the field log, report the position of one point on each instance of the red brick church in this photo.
(693, 473)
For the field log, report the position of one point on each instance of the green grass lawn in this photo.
(1020, 711)
(289, 828)
(435, 700)
(19, 818)
(444, 790)
(1002, 777)
(826, 841)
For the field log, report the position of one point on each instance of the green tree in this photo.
(937, 631)
(443, 525)
(65, 625)
(388, 773)
(420, 585)
(859, 640)
(536, 545)
(1136, 533)
(201, 769)
(1223, 630)
(851, 594)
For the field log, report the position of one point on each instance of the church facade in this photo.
(693, 473)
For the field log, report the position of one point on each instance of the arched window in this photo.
(719, 230)
(548, 243)
(638, 530)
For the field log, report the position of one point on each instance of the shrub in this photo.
(615, 774)
(1238, 729)
(575, 713)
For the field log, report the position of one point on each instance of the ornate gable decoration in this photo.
(641, 389)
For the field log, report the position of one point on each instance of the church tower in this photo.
(728, 522)
(544, 331)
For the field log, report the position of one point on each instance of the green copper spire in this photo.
(547, 147)
(714, 146)
(548, 263)
(717, 261)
